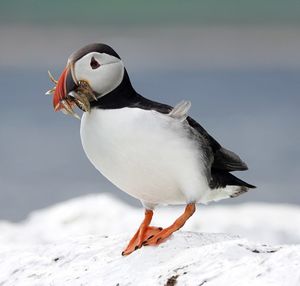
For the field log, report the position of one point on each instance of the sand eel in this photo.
(153, 152)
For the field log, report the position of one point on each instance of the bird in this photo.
(152, 151)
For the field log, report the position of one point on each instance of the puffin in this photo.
(152, 151)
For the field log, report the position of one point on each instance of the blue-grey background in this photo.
(237, 61)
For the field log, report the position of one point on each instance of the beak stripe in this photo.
(60, 91)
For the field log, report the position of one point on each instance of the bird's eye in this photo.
(94, 64)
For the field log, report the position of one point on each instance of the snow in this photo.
(79, 242)
(189, 258)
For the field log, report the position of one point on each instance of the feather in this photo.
(228, 161)
(180, 110)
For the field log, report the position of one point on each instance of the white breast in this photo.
(144, 153)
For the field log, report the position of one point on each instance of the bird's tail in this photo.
(225, 185)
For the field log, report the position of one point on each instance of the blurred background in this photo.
(237, 61)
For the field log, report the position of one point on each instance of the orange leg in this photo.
(145, 231)
(179, 223)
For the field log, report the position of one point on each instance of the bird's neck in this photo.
(122, 96)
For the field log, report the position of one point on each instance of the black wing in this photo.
(223, 159)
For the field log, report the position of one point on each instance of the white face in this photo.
(103, 72)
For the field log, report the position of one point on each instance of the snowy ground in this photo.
(79, 243)
(188, 258)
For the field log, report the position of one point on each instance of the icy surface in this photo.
(79, 242)
(188, 258)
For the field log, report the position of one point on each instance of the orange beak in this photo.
(64, 86)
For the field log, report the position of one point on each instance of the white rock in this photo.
(188, 258)
(79, 242)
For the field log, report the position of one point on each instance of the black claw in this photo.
(123, 253)
(136, 247)
(158, 239)
(150, 237)
(160, 228)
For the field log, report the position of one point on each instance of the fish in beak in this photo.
(68, 93)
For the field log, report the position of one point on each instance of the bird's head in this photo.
(91, 73)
